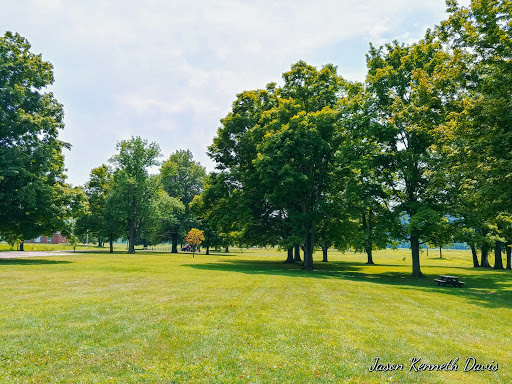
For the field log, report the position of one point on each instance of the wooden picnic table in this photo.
(447, 279)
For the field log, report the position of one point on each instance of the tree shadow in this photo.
(31, 261)
(485, 289)
(220, 253)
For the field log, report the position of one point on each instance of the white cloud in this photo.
(169, 70)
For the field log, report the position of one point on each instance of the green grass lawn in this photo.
(245, 317)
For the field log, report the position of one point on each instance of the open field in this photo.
(245, 317)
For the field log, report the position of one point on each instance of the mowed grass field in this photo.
(245, 317)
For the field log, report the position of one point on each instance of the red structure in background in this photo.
(56, 239)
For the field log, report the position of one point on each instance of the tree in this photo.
(414, 92)
(32, 182)
(79, 207)
(482, 32)
(194, 238)
(362, 174)
(133, 189)
(97, 190)
(166, 213)
(276, 151)
(197, 207)
(182, 178)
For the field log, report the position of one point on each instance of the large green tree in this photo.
(276, 150)
(133, 190)
(32, 189)
(414, 92)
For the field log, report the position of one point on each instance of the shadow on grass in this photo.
(487, 287)
(31, 261)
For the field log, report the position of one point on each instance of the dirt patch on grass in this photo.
(18, 254)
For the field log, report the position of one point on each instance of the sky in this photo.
(168, 71)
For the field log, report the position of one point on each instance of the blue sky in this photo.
(168, 71)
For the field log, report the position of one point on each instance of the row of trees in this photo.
(124, 200)
(420, 151)
(119, 200)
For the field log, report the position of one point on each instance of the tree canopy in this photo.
(34, 198)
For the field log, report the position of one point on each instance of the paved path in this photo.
(17, 254)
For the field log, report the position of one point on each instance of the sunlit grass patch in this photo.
(249, 318)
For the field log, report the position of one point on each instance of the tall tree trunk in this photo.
(498, 261)
(324, 254)
(297, 253)
(440, 252)
(111, 241)
(484, 259)
(227, 249)
(308, 250)
(21, 245)
(207, 249)
(509, 254)
(131, 238)
(289, 259)
(174, 241)
(427, 249)
(475, 256)
(415, 250)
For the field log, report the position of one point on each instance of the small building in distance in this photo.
(56, 239)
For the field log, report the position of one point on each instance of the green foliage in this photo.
(182, 178)
(413, 94)
(167, 211)
(133, 189)
(480, 133)
(97, 190)
(32, 188)
(276, 150)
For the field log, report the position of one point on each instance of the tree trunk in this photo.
(289, 259)
(475, 256)
(440, 253)
(111, 241)
(509, 254)
(131, 238)
(324, 254)
(207, 249)
(498, 261)
(308, 250)
(369, 253)
(484, 260)
(174, 241)
(367, 229)
(427, 249)
(297, 253)
(227, 249)
(21, 245)
(415, 250)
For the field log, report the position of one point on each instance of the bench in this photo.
(453, 280)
